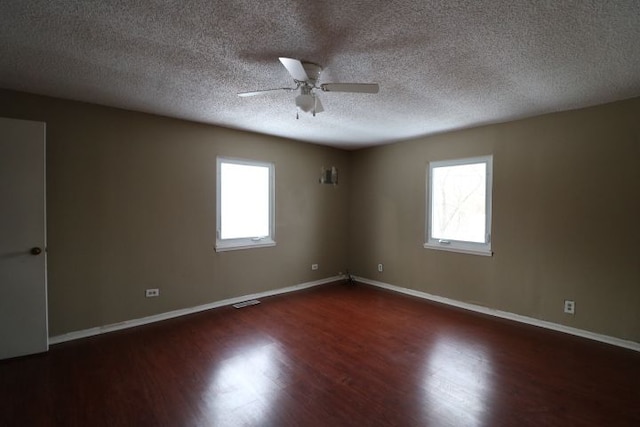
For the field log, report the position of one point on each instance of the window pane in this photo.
(459, 202)
(244, 200)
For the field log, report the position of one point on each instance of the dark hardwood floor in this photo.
(335, 355)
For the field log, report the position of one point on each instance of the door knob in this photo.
(36, 251)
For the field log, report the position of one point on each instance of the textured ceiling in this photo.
(441, 65)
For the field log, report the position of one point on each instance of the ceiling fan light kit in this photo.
(305, 75)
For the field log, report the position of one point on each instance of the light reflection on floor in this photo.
(458, 383)
(243, 390)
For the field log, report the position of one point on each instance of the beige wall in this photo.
(131, 205)
(566, 218)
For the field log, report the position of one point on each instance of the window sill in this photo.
(236, 246)
(469, 251)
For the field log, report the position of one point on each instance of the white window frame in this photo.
(247, 242)
(461, 246)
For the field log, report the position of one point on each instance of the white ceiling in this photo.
(441, 65)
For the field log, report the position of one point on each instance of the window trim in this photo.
(245, 242)
(461, 246)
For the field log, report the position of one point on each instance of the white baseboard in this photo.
(506, 315)
(176, 313)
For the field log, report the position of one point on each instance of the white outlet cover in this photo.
(569, 306)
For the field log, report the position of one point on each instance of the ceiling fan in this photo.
(305, 75)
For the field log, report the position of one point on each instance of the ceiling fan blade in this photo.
(295, 68)
(263, 92)
(350, 87)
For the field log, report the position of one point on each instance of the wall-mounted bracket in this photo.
(329, 175)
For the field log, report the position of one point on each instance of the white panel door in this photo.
(23, 278)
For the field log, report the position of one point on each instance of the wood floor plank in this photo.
(339, 355)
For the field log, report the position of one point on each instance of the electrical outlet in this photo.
(380, 268)
(152, 293)
(569, 306)
(314, 266)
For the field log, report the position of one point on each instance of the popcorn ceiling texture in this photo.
(441, 65)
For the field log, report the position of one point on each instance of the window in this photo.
(245, 204)
(459, 205)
